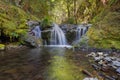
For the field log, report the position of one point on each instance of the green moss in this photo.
(105, 33)
(2, 46)
(13, 20)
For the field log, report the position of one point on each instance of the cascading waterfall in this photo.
(80, 31)
(37, 31)
(57, 36)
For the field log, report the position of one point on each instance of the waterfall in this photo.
(37, 32)
(80, 31)
(57, 36)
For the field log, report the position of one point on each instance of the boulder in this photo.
(98, 58)
(107, 59)
(116, 63)
(118, 70)
(100, 53)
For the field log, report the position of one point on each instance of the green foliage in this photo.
(105, 31)
(13, 20)
(70, 21)
(83, 42)
(2, 46)
(47, 21)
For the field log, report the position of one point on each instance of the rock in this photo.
(32, 40)
(116, 63)
(118, 70)
(109, 78)
(118, 59)
(93, 54)
(105, 68)
(90, 79)
(2, 47)
(114, 67)
(107, 59)
(113, 58)
(105, 55)
(100, 53)
(95, 67)
(101, 62)
(98, 58)
(31, 23)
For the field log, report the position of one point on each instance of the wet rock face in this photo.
(32, 23)
(33, 41)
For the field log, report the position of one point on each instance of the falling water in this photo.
(57, 36)
(37, 32)
(80, 31)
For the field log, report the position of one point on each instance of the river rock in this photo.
(98, 58)
(92, 54)
(95, 67)
(116, 63)
(118, 70)
(107, 59)
(105, 55)
(90, 79)
(100, 53)
(101, 62)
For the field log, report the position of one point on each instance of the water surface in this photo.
(38, 64)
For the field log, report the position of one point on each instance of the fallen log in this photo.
(87, 73)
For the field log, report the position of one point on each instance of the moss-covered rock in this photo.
(2, 47)
(13, 20)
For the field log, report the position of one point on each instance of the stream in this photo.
(47, 63)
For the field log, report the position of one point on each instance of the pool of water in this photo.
(48, 63)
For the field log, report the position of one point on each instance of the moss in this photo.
(13, 20)
(2, 46)
(105, 33)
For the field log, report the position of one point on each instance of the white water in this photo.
(37, 32)
(80, 31)
(57, 36)
(62, 46)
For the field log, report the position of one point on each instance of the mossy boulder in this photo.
(2, 47)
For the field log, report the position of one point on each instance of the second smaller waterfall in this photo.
(80, 31)
(57, 36)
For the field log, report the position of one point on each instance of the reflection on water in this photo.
(38, 64)
(61, 68)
